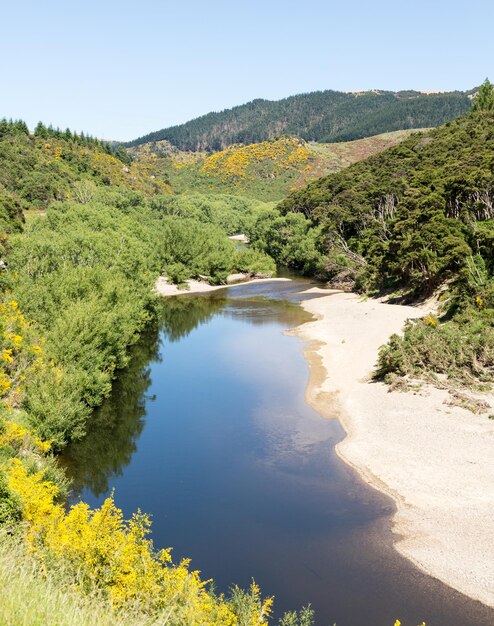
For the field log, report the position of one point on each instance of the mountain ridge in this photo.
(324, 116)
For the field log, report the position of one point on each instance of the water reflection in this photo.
(116, 426)
(181, 314)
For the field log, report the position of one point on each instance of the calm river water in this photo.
(208, 431)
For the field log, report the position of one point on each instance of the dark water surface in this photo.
(208, 431)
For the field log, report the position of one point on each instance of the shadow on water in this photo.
(208, 430)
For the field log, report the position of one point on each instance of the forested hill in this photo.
(324, 116)
(413, 214)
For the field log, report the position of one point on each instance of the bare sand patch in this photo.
(165, 288)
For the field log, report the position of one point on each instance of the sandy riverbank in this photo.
(435, 460)
(164, 288)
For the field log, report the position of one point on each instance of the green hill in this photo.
(76, 289)
(324, 116)
(38, 168)
(413, 212)
(266, 171)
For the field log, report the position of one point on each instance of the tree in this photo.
(484, 100)
(41, 130)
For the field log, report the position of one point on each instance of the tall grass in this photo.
(31, 597)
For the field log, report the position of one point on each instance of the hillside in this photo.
(324, 116)
(48, 165)
(266, 171)
(77, 288)
(436, 184)
(413, 220)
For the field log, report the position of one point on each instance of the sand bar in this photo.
(165, 288)
(436, 461)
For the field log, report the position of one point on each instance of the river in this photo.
(209, 432)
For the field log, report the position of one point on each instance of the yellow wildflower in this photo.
(7, 356)
(16, 340)
(5, 383)
(430, 320)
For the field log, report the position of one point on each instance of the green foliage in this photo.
(411, 215)
(202, 248)
(178, 273)
(320, 116)
(461, 349)
(484, 100)
(248, 606)
(305, 617)
(253, 261)
(290, 240)
(418, 215)
(115, 427)
(85, 274)
(11, 218)
(47, 132)
(48, 165)
(233, 213)
(10, 506)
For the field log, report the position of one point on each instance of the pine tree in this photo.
(41, 130)
(20, 127)
(484, 100)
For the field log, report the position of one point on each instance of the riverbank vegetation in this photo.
(51, 165)
(85, 275)
(77, 280)
(234, 214)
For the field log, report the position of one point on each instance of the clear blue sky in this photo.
(120, 69)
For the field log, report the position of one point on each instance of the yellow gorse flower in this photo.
(20, 350)
(17, 341)
(7, 356)
(5, 383)
(18, 437)
(430, 320)
(234, 162)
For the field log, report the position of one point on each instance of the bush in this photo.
(177, 273)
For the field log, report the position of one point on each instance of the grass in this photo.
(32, 598)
